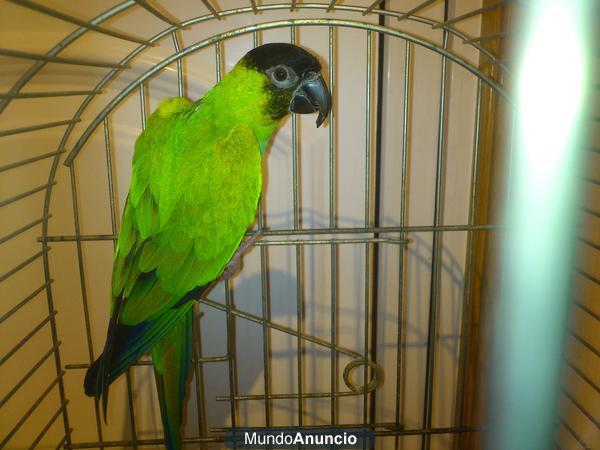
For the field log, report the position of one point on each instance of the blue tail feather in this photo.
(125, 344)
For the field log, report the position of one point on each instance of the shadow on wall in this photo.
(283, 352)
(283, 346)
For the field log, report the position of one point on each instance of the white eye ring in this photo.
(282, 76)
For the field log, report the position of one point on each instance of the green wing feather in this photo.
(186, 220)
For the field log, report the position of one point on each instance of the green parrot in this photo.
(195, 185)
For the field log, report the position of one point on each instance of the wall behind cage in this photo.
(351, 139)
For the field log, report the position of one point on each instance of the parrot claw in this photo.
(236, 260)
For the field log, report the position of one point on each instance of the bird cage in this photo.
(363, 302)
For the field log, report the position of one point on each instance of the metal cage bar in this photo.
(331, 41)
(23, 229)
(436, 249)
(44, 430)
(466, 310)
(25, 194)
(26, 161)
(473, 13)
(57, 59)
(83, 288)
(416, 9)
(254, 9)
(30, 411)
(399, 413)
(41, 126)
(368, 280)
(298, 252)
(113, 224)
(159, 15)
(75, 21)
(42, 94)
(212, 9)
(248, 29)
(26, 377)
(23, 302)
(26, 339)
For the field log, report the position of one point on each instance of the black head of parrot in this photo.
(294, 78)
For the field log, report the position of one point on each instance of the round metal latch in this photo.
(373, 384)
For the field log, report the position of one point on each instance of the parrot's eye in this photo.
(282, 76)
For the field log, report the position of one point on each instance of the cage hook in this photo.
(373, 384)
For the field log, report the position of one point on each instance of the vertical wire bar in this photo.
(466, 309)
(218, 60)
(255, 39)
(199, 375)
(143, 104)
(50, 302)
(231, 353)
(299, 293)
(400, 337)
(231, 348)
(196, 331)
(332, 222)
(180, 92)
(84, 299)
(197, 386)
(377, 203)
(367, 210)
(265, 300)
(113, 222)
(254, 8)
(266, 314)
(54, 333)
(212, 9)
(198, 366)
(435, 254)
(65, 442)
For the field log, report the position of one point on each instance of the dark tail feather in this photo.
(171, 357)
(97, 377)
(124, 346)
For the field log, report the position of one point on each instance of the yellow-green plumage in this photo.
(209, 199)
(195, 185)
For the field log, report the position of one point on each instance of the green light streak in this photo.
(537, 256)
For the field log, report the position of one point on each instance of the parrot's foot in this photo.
(236, 261)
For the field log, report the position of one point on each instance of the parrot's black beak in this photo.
(311, 96)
